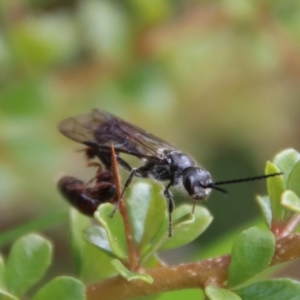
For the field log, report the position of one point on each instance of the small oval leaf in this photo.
(275, 289)
(265, 206)
(275, 189)
(66, 288)
(27, 262)
(187, 227)
(291, 201)
(294, 179)
(286, 161)
(252, 252)
(2, 273)
(78, 223)
(216, 293)
(129, 275)
(147, 209)
(97, 236)
(114, 228)
(92, 265)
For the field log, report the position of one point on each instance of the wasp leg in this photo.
(171, 206)
(124, 163)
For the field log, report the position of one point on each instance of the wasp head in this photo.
(197, 182)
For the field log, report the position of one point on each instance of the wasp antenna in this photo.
(219, 189)
(245, 179)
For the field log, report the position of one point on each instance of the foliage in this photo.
(27, 263)
(137, 269)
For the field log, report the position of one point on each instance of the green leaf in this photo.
(96, 265)
(6, 296)
(216, 293)
(145, 204)
(2, 273)
(275, 189)
(129, 275)
(291, 201)
(285, 161)
(156, 215)
(163, 234)
(265, 206)
(152, 247)
(187, 227)
(97, 236)
(275, 289)
(294, 179)
(114, 228)
(62, 288)
(27, 262)
(92, 265)
(252, 252)
(78, 222)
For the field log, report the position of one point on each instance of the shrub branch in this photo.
(184, 276)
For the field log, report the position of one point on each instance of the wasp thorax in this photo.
(197, 182)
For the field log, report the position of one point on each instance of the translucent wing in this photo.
(99, 129)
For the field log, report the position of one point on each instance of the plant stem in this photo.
(184, 276)
(132, 250)
(192, 275)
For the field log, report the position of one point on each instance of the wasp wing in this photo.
(100, 129)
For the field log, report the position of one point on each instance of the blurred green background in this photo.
(219, 79)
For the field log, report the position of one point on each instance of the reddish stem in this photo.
(132, 250)
(184, 276)
(169, 278)
(289, 226)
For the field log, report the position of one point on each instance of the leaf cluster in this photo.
(28, 260)
(117, 258)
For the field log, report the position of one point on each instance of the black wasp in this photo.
(162, 161)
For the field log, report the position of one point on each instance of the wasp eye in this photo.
(189, 185)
